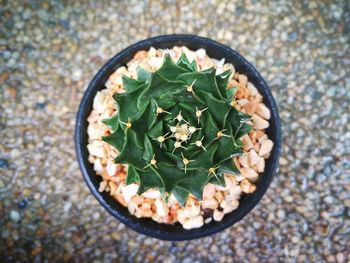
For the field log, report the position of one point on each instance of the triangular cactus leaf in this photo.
(185, 64)
(112, 122)
(131, 176)
(116, 139)
(131, 84)
(222, 81)
(181, 195)
(169, 70)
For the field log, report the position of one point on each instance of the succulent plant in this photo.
(177, 129)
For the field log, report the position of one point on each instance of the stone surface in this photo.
(50, 50)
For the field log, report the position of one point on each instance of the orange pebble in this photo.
(140, 55)
(167, 219)
(173, 211)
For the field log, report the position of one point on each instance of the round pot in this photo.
(148, 226)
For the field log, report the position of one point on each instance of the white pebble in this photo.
(220, 188)
(181, 216)
(162, 208)
(95, 131)
(192, 211)
(263, 138)
(263, 111)
(229, 206)
(15, 153)
(96, 149)
(98, 103)
(152, 194)
(235, 192)
(15, 216)
(247, 142)
(111, 168)
(201, 53)
(218, 215)
(66, 207)
(210, 203)
(97, 165)
(250, 174)
(261, 165)
(259, 123)
(252, 89)
(230, 181)
(102, 187)
(253, 157)
(243, 160)
(132, 207)
(208, 191)
(193, 222)
(129, 191)
(266, 147)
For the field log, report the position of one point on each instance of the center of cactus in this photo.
(177, 129)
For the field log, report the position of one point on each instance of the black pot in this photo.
(148, 226)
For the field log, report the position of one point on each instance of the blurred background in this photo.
(49, 52)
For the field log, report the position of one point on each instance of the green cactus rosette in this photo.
(176, 129)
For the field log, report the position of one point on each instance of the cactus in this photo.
(177, 129)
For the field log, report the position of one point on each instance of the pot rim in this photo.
(144, 226)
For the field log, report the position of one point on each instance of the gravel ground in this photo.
(49, 52)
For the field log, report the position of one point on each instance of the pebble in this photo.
(15, 153)
(49, 49)
(15, 216)
(13, 92)
(22, 204)
(40, 106)
(4, 163)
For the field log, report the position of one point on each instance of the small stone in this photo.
(36, 219)
(266, 147)
(4, 76)
(138, 9)
(116, 236)
(77, 74)
(283, 161)
(308, 98)
(260, 123)
(42, 14)
(187, 260)
(13, 92)
(67, 206)
(36, 251)
(22, 204)
(207, 212)
(26, 191)
(329, 199)
(228, 35)
(4, 163)
(50, 107)
(37, 196)
(41, 232)
(41, 99)
(96, 216)
(15, 216)
(40, 106)
(340, 257)
(149, 256)
(293, 36)
(281, 214)
(15, 153)
(218, 215)
(26, 14)
(64, 24)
